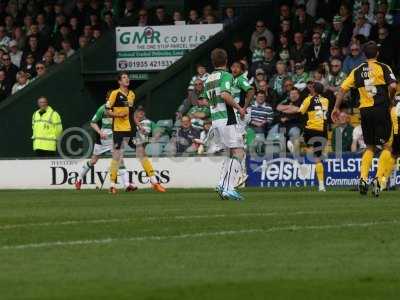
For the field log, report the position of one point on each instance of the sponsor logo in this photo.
(61, 175)
(149, 35)
(122, 64)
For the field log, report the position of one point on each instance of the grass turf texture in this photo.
(186, 244)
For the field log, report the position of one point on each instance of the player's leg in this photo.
(234, 141)
(368, 155)
(124, 175)
(115, 161)
(384, 134)
(317, 142)
(85, 169)
(148, 168)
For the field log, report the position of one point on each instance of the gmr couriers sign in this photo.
(158, 47)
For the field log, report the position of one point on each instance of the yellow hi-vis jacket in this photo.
(46, 129)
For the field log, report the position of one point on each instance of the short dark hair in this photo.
(120, 74)
(242, 66)
(371, 50)
(318, 87)
(262, 38)
(260, 92)
(219, 57)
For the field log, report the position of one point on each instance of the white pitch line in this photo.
(121, 220)
(196, 235)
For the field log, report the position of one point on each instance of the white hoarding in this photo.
(175, 172)
(158, 47)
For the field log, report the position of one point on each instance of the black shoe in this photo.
(362, 187)
(376, 187)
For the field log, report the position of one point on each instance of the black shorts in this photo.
(121, 137)
(396, 145)
(316, 139)
(376, 125)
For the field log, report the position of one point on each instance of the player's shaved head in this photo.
(219, 58)
(371, 50)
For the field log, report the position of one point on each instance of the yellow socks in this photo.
(114, 171)
(147, 166)
(319, 170)
(385, 166)
(366, 162)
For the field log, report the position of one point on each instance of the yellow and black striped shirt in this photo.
(371, 79)
(316, 108)
(118, 102)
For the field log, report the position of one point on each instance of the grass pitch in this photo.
(186, 244)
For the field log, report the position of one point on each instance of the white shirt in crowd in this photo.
(358, 138)
(17, 87)
(16, 58)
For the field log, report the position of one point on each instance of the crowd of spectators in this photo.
(309, 41)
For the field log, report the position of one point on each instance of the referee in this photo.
(376, 85)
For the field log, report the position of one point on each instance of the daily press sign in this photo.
(158, 47)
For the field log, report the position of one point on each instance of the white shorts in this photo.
(101, 149)
(230, 136)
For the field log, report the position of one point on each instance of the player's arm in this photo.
(245, 86)
(347, 84)
(110, 104)
(390, 79)
(291, 109)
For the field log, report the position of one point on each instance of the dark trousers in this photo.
(44, 153)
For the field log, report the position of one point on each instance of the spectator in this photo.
(210, 19)
(302, 21)
(354, 59)
(380, 23)
(33, 48)
(258, 53)
(67, 48)
(387, 51)
(283, 50)
(15, 53)
(260, 31)
(201, 73)
(199, 113)
(300, 77)
(10, 71)
(43, 27)
(19, 37)
(193, 96)
(270, 96)
(342, 134)
(28, 66)
(193, 17)
(238, 51)
(290, 123)
(346, 18)
(22, 81)
(319, 75)
(362, 26)
(3, 87)
(4, 38)
(96, 33)
(335, 76)
(281, 75)
(259, 77)
(88, 33)
(285, 29)
(230, 17)
(40, 69)
(60, 58)
(185, 138)
(261, 114)
(340, 36)
(317, 53)
(177, 18)
(109, 22)
(335, 52)
(207, 142)
(143, 18)
(358, 144)
(46, 127)
(48, 58)
(83, 41)
(161, 17)
(298, 50)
